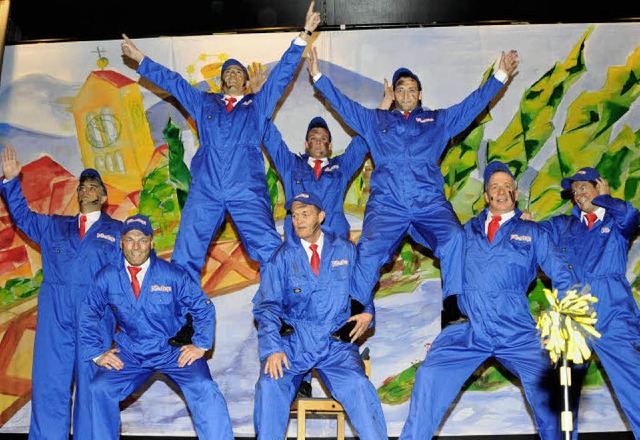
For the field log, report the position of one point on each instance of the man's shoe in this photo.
(184, 335)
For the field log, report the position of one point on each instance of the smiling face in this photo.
(407, 94)
(583, 193)
(234, 81)
(306, 221)
(136, 246)
(501, 194)
(318, 143)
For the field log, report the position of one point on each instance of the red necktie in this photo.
(83, 225)
(406, 114)
(317, 168)
(230, 100)
(135, 284)
(315, 259)
(591, 218)
(493, 227)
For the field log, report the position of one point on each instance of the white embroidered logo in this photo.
(106, 237)
(516, 237)
(156, 288)
(336, 263)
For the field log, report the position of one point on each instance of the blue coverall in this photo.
(407, 186)
(497, 276)
(315, 307)
(146, 324)
(298, 177)
(599, 257)
(228, 171)
(68, 266)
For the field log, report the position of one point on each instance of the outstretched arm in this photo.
(311, 22)
(130, 50)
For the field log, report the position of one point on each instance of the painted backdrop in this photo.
(67, 106)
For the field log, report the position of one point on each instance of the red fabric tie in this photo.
(406, 114)
(83, 225)
(315, 259)
(317, 168)
(591, 218)
(494, 224)
(230, 100)
(135, 284)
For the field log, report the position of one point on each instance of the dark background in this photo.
(39, 20)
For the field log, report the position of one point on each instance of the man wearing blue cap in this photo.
(407, 187)
(228, 168)
(307, 284)
(72, 249)
(502, 256)
(316, 171)
(148, 297)
(595, 239)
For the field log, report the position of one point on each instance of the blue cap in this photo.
(306, 198)
(494, 167)
(233, 62)
(318, 122)
(403, 72)
(92, 174)
(139, 222)
(583, 174)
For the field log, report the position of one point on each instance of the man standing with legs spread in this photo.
(407, 187)
(502, 256)
(228, 172)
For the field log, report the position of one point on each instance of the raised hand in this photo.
(130, 50)
(313, 65)
(509, 62)
(388, 98)
(10, 164)
(257, 76)
(313, 18)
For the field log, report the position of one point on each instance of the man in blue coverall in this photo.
(407, 186)
(598, 254)
(335, 173)
(149, 297)
(298, 175)
(315, 305)
(497, 275)
(228, 172)
(69, 264)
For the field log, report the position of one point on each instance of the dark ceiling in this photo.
(91, 20)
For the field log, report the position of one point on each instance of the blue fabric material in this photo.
(599, 257)
(228, 168)
(494, 167)
(146, 324)
(308, 198)
(582, 175)
(138, 222)
(318, 122)
(68, 266)
(407, 186)
(497, 276)
(315, 307)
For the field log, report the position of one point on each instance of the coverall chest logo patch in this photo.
(516, 237)
(423, 120)
(336, 263)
